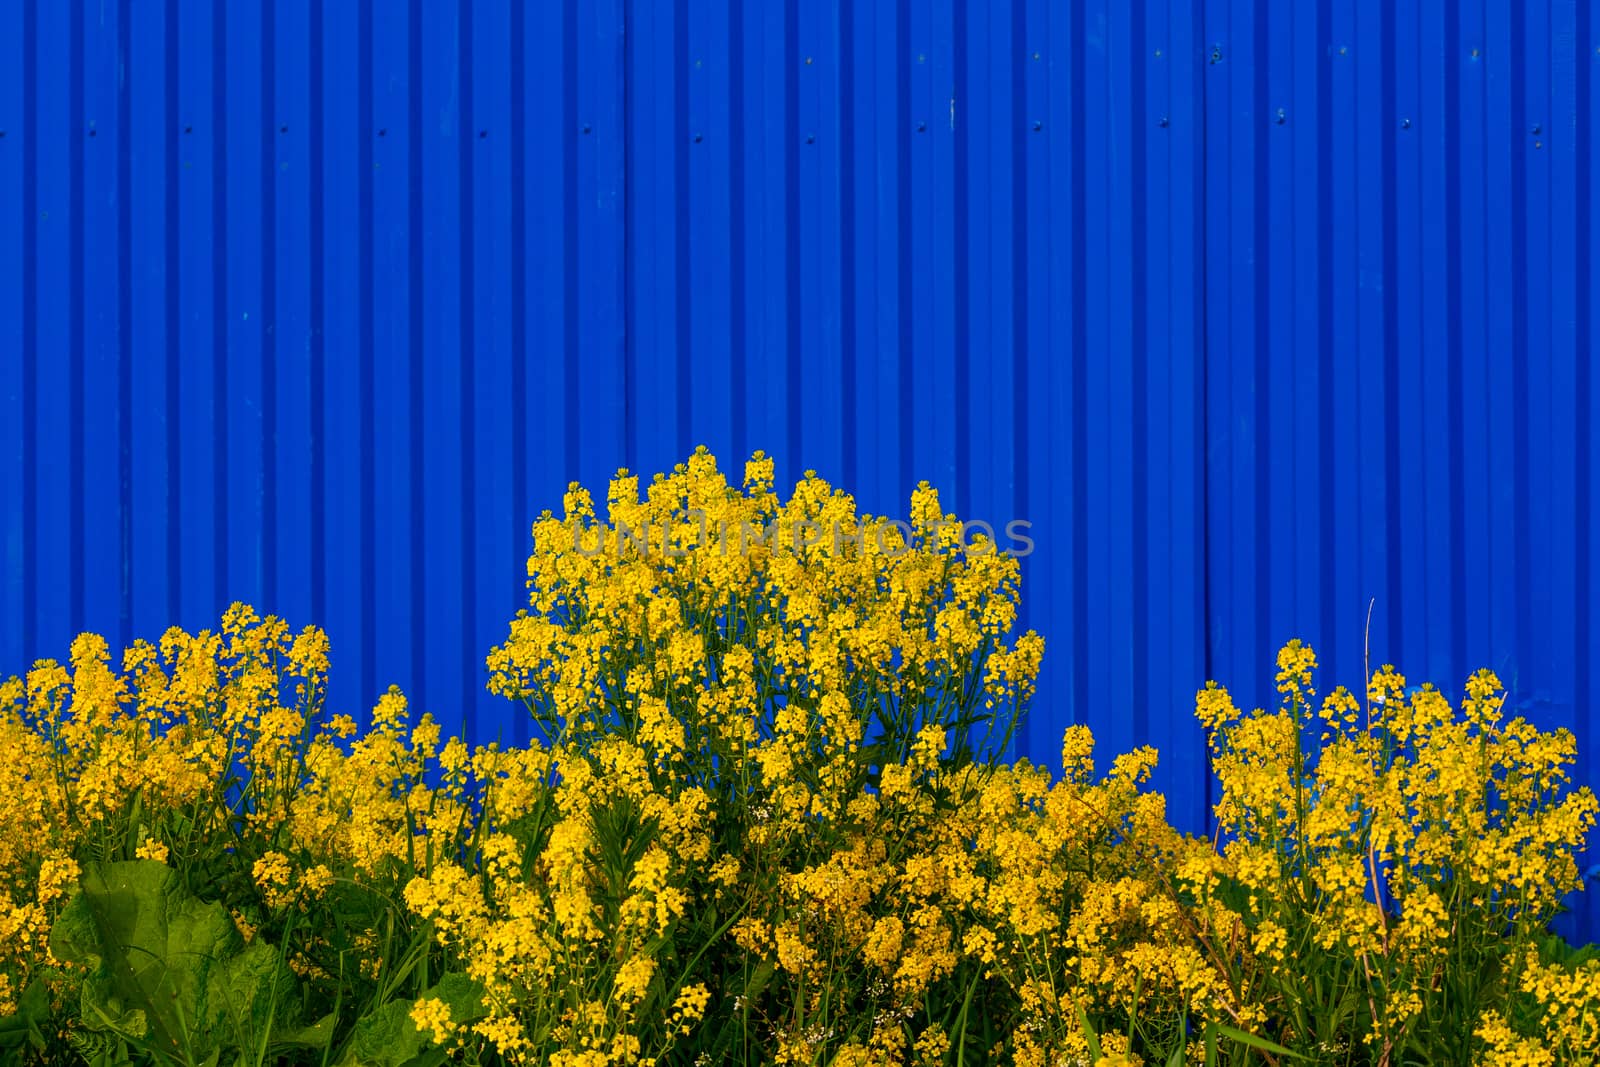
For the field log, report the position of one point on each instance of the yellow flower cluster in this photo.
(1392, 853)
(766, 821)
(98, 763)
(1566, 1003)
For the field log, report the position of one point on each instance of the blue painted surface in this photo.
(1263, 314)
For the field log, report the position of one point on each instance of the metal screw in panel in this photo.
(1037, 126)
(1164, 122)
(1405, 124)
(1216, 53)
(922, 127)
(1536, 129)
(699, 137)
(1282, 118)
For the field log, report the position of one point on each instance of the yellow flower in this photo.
(431, 1016)
(152, 849)
(1296, 661)
(633, 979)
(273, 875)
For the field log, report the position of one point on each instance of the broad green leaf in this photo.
(1260, 1044)
(23, 1025)
(168, 969)
(316, 1035)
(387, 1037)
(758, 981)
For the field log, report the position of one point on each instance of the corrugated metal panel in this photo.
(1259, 312)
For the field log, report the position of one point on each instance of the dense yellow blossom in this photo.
(765, 820)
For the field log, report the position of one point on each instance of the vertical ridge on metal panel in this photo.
(702, 149)
(598, 213)
(968, 36)
(765, 102)
(549, 136)
(365, 165)
(1187, 567)
(738, 242)
(660, 298)
(1104, 349)
(247, 113)
(1040, 474)
(1412, 467)
(516, 395)
(75, 462)
(1433, 355)
(267, 247)
(316, 318)
(15, 447)
(1472, 222)
(1585, 402)
(421, 249)
(146, 394)
(1279, 121)
(287, 406)
(486, 413)
(1586, 410)
(790, 462)
(217, 119)
(344, 106)
(46, 274)
(101, 502)
(195, 269)
(469, 132)
(392, 296)
(942, 114)
(875, 59)
(1074, 52)
(436, 622)
(817, 146)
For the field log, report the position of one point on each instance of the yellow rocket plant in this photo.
(768, 819)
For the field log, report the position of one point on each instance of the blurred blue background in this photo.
(1259, 312)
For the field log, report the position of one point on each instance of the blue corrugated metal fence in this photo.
(1258, 312)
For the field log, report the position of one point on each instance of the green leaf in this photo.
(1176, 1059)
(1089, 1035)
(758, 981)
(316, 1035)
(24, 1025)
(166, 969)
(386, 1037)
(1260, 1044)
(1235, 896)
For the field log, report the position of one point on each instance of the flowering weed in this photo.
(766, 820)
